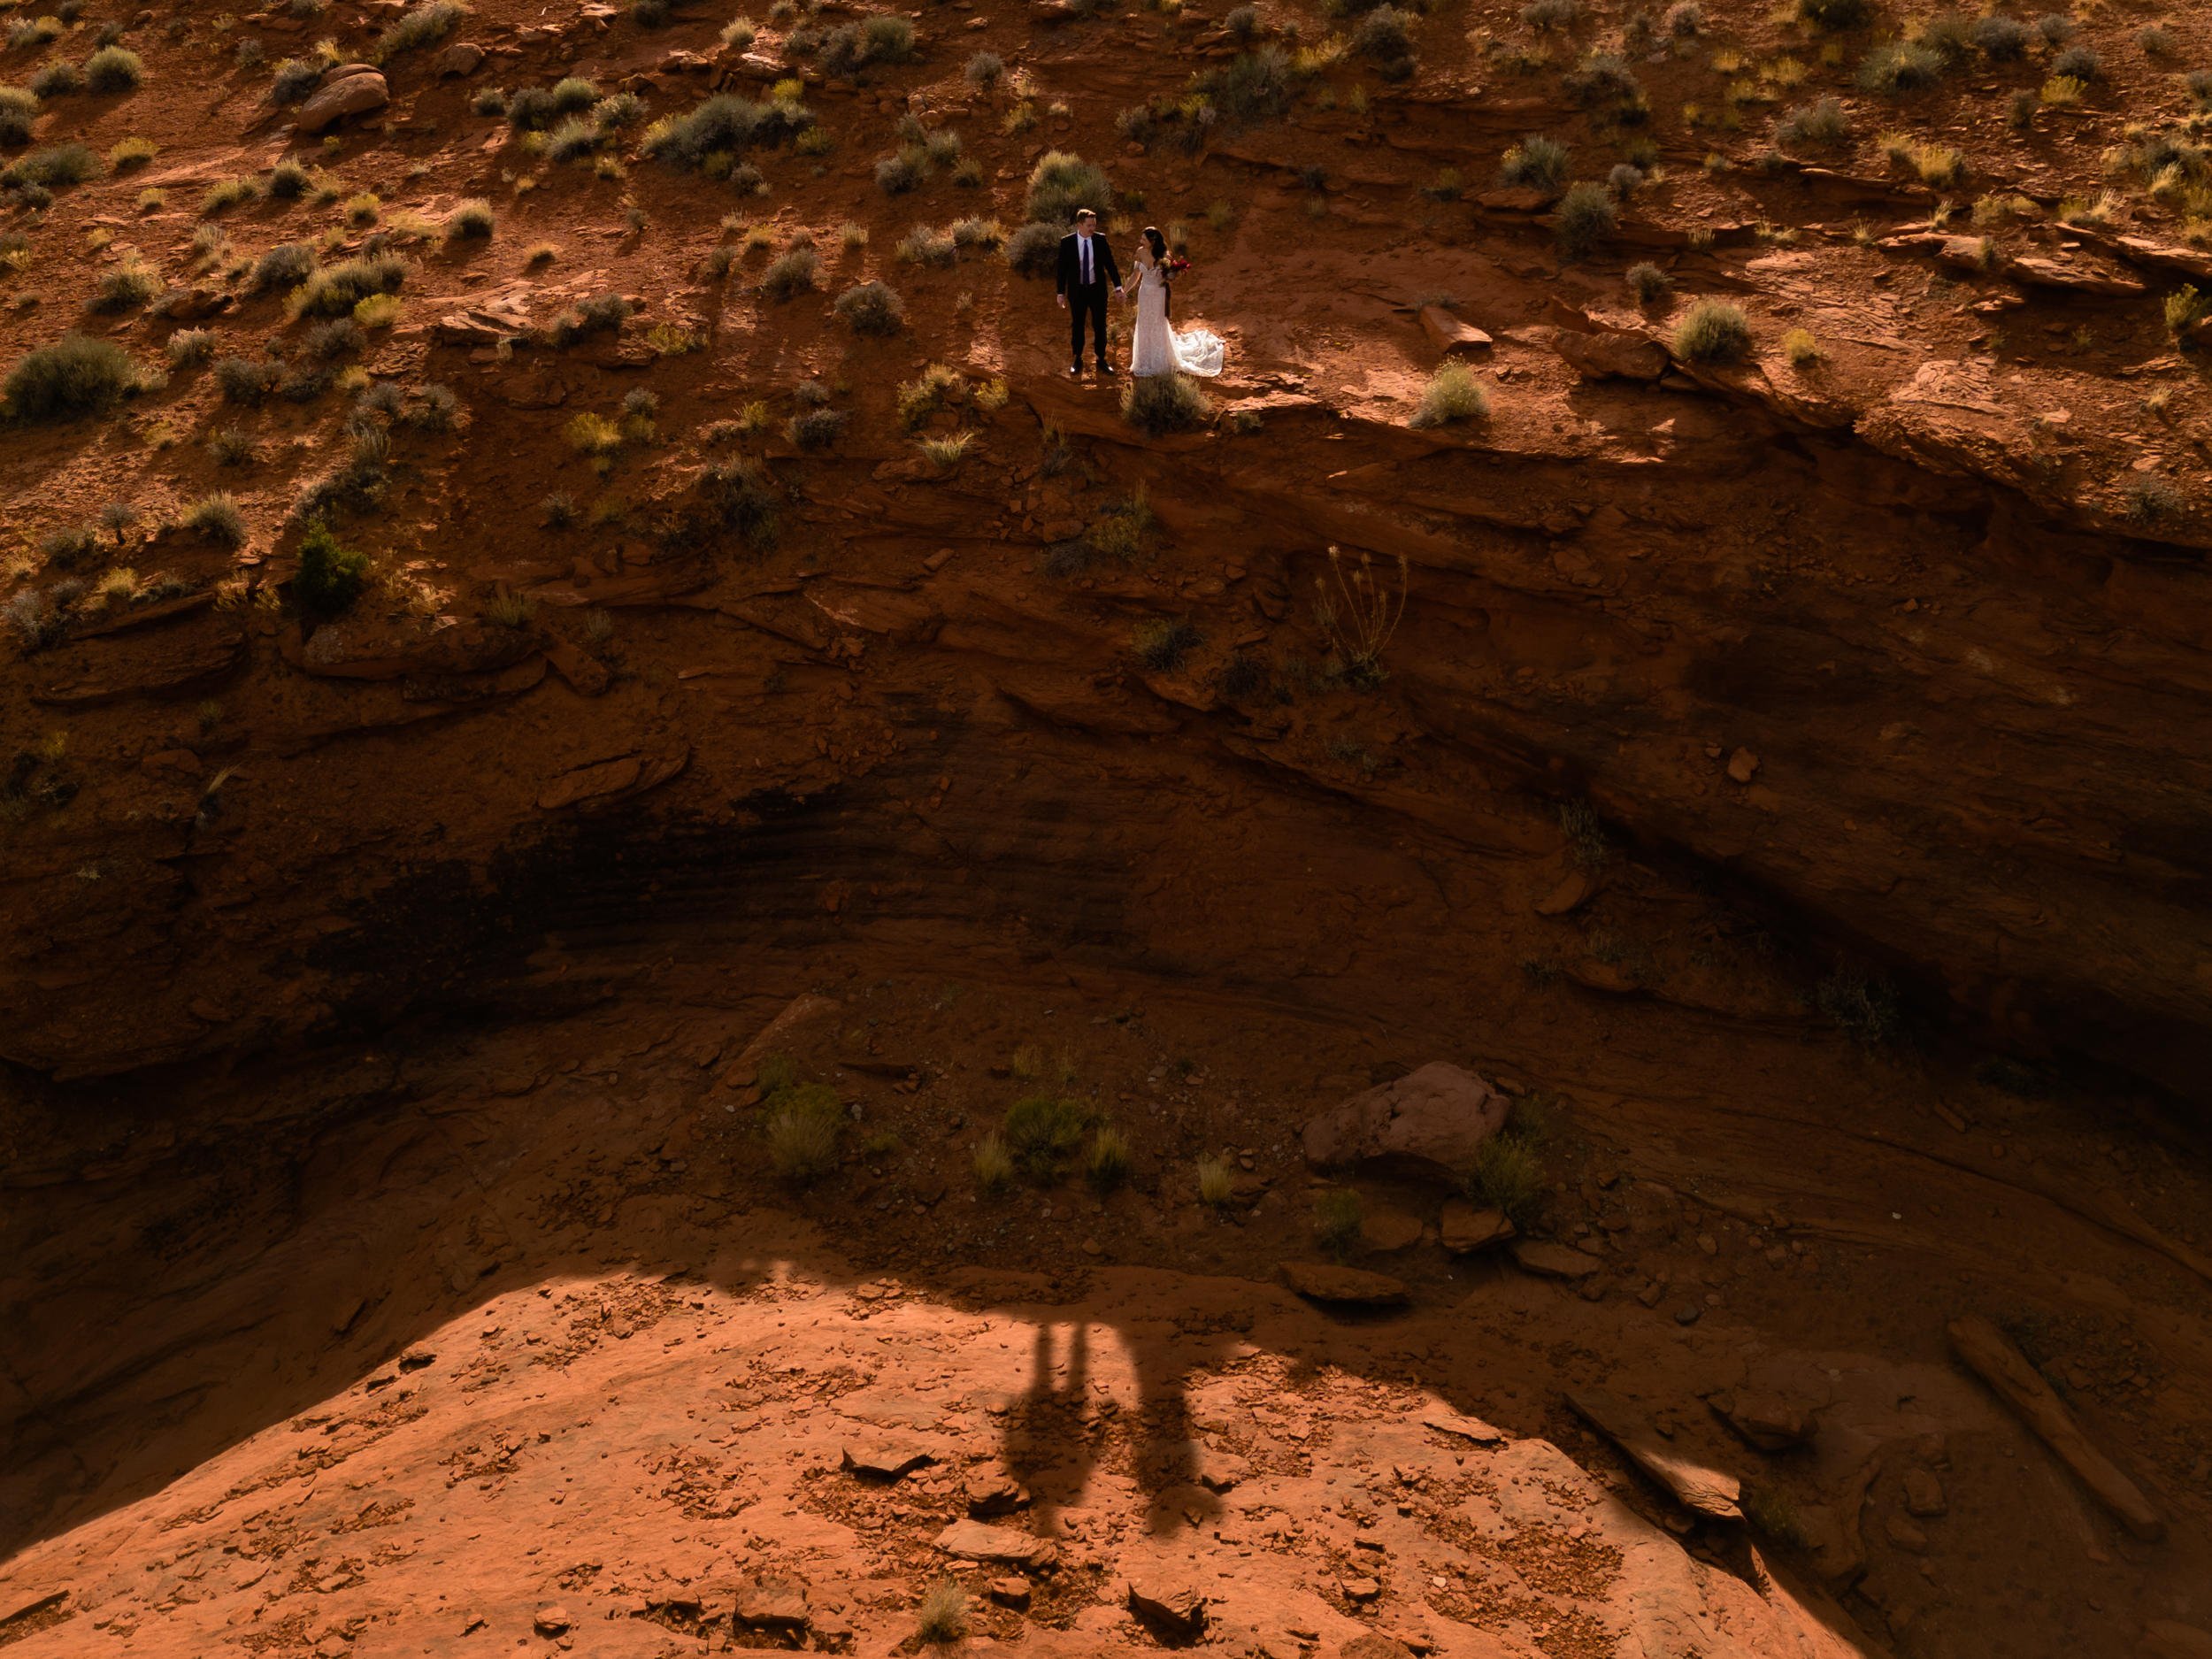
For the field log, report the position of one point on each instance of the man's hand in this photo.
(1063, 299)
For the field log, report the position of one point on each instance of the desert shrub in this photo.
(130, 153)
(2155, 40)
(1454, 394)
(896, 174)
(848, 50)
(472, 220)
(623, 109)
(2055, 28)
(2184, 308)
(1899, 66)
(816, 429)
(66, 550)
(1586, 217)
(76, 375)
(803, 1126)
(1536, 161)
(793, 275)
(1157, 404)
(926, 245)
(128, 286)
(571, 141)
(1835, 14)
(285, 266)
(53, 168)
(1385, 38)
(1163, 642)
(334, 291)
(871, 307)
(113, 69)
(56, 79)
(1822, 122)
(2150, 499)
(2001, 39)
(1106, 1164)
(1623, 179)
(332, 339)
(230, 447)
(1337, 1215)
(985, 70)
(330, 576)
(1604, 79)
(723, 125)
(18, 108)
(1508, 1176)
(2077, 63)
(1715, 332)
(248, 380)
(943, 1614)
(1060, 183)
(1799, 347)
(1863, 1007)
(23, 33)
(993, 1165)
(1034, 249)
(977, 232)
(531, 109)
(288, 182)
(425, 26)
(1258, 85)
(1243, 22)
(1649, 283)
(225, 194)
(1041, 1132)
(216, 518)
(1544, 15)
(572, 94)
(190, 347)
(739, 33)
(294, 79)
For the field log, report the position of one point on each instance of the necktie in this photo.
(1083, 243)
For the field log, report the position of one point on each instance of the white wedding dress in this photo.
(1158, 348)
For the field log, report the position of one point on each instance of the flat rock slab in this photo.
(1387, 1228)
(883, 1461)
(1711, 1493)
(1429, 1123)
(1466, 1228)
(771, 1604)
(357, 93)
(993, 1492)
(1461, 1426)
(1547, 1260)
(1345, 1287)
(1000, 1546)
(1768, 1422)
(1451, 336)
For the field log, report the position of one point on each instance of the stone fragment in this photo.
(1174, 1612)
(1923, 1494)
(1711, 1493)
(1906, 1534)
(1387, 1228)
(771, 1604)
(1430, 1123)
(463, 58)
(1374, 1645)
(1611, 354)
(1768, 1422)
(883, 1462)
(993, 1492)
(1466, 1228)
(340, 95)
(1568, 895)
(1000, 1546)
(1451, 336)
(1547, 1260)
(1461, 1426)
(1349, 1286)
(1743, 766)
(552, 1620)
(1008, 1592)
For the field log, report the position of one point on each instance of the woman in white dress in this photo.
(1157, 349)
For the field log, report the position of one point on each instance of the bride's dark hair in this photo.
(1158, 241)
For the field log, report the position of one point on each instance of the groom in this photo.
(1086, 270)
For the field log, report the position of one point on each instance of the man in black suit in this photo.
(1086, 270)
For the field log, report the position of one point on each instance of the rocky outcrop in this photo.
(349, 91)
(1431, 1122)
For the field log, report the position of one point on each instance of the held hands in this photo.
(1063, 299)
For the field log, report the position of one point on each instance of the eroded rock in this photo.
(1431, 1122)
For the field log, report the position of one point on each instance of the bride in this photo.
(1158, 348)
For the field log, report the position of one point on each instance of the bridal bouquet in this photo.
(1174, 265)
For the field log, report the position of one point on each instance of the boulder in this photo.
(1000, 1546)
(1547, 1260)
(1767, 1422)
(884, 1463)
(1923, 1494)
(993, 1492)
(552, 1620)
(1466, 1229)
(1429, 1123)
(344, 94)
(771, 1604)
(463, 58)
(1711, 1493)
(1350, 1286)
(1611, 354)
(1451, 336)
(1174, 1612)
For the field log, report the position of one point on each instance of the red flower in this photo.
(1177, 265)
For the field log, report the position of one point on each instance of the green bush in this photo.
(1060, 183)
(425, 26)
(1538, 162)
(76, 375)
(1586, 217)
(1454, 394)
(216, 518)
(113, 69)
(1042, 1133)
(1508, 1176)
(871, 307)
(18, 108)
(804, 1126)
(1715, 332)
(330, 577)
(1034, 249)
(1337, 1215)
(54, 167)
(1157, 404)
(725, 125)
(334, 291)
(1649, 283)
(791, 274)
(1898, 67)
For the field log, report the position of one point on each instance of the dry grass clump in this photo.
(129, 153)
(943, 1614)
(216, 516)
(723, 125)
(1586, 217)
(993, 1165)
(1536, 161)
(1157, 404)
(803, 1126)
(113, 69)
(1714, 333)
(425, 26)
(1163, 643)
(1454, 394)
(472, 220)
(285, 266)
(938, 386)
(1216, 1181)
(927, 245)
(791, 275)
(1042, 1133)
(1649, 283)
(76, 375)
(335, 290)
(1799, 347)
(128, 286)
(1107, 1163)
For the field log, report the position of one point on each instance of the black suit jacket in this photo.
(1103, 264)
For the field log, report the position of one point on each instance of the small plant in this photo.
(471, 221)
(1649, 283)
(330, 577)
(1337, 1215)
(293, 79)
(943, 1614)
(1547, 15)
(2150, 499)
(230, 447)
(425, 26)
(1536, 161)
(924, 245)
(130, 285)
(947, 452)
(113, 69)
(2184, 308)
(1158, 404)
(1357, 614)
(815, 429)
(216, 518)
(77, 375)
(993, 1165)
(1822, 124)
(1106, 1165)
(1898, 67)
(1863, 1008)
(1714, 333)
(1799, 347)
(2003, 40)
(2077, 63)
(1586, 217)
(1508, 1176)
(1042, 1133)
(1453, 394)
(804, 1126)
(1162, 644)
(985, 70)
(791, 274)
(378, 311)
(1217, 1182)
(131, 153)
